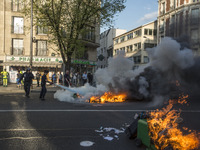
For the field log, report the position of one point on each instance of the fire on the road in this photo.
(108, 97)
(163, 129)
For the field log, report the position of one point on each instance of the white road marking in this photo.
(92, 110)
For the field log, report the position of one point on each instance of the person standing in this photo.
(28, 77)
(84, 77)
(5, 77)
(43, 85)
(67, 79)
(54, 78)
(60, 78)
(18, 79)
(38, 75)
(90, 78)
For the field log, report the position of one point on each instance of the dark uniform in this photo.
(43, 84)
(28, 77)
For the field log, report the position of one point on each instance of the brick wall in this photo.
(167, 27)
(181, 2)
(167, 5)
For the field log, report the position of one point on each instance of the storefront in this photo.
(14, 63)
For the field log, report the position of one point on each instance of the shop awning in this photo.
(26, 64)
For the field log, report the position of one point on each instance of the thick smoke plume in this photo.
(169, 65)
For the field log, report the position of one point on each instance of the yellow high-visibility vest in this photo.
(5, 74)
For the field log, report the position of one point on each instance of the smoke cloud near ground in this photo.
(169, 64)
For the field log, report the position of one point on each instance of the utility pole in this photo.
(31, 37)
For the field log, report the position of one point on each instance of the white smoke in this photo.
(86, 92)
(150, 80)
(143, 86)
(168, 55)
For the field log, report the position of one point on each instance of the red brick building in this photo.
(180, 19)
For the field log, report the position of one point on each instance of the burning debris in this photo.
(164, 129)
(160, 129)
(108, 97)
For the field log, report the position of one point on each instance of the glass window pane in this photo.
(18, 45)
(14, 5)
(18, 25)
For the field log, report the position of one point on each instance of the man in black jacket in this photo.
(28, 77)
(43, 85)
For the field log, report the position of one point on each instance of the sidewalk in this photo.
(12, 88)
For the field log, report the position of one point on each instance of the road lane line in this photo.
(92, 110)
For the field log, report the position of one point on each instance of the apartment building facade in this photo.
(133, 43)
(180, 19)
(15, 43)
(106, 46)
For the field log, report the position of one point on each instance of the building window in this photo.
(137, 46)
(17, 5)
(137, 59)
(122, 39)
(17, 46)
(89, 34)
(195, 16)
(194, 36)
(137, 33)
(116, 41)
(150, 32)
(129, 48)
(41, 28)
(146, 59)
(41, 48)
(129, 36)
(145, 31)
(18, 25)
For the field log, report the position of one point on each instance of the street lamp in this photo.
(31, 36)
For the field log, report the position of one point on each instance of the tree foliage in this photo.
(69, 20)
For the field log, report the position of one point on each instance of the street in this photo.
(34, 124)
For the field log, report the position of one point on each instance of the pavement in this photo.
(12, 88)
(32, 124)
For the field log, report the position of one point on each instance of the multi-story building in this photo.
(134, 43)
(106, 46)
(180, 19)
(15, 43)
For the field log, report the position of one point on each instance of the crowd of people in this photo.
(25, 79)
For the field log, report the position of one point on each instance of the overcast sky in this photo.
(136, 13)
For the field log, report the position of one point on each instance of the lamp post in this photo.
(31, 36)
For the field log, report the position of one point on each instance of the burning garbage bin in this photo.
(139, 131)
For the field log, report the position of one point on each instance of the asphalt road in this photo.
(32, 124)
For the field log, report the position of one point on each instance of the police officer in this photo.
(5, 77)
(43, 85)
(28, 77)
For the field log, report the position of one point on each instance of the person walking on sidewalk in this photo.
(5, 77)
(38, 75)
(43, 85)
(28, 77)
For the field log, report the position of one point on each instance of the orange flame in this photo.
(108, 97)
(163, 127)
